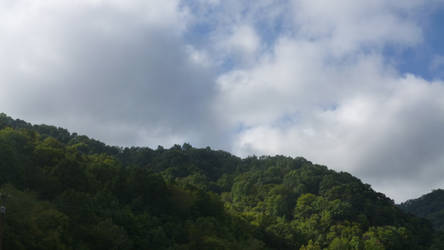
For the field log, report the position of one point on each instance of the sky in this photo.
(356, 85)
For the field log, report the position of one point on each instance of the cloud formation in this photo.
(118, 70)
(298, 77)
(326, 91)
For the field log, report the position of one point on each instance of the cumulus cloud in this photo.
(235, 32)
(326, 91)
(349, 25)
(297, 77)
(104, 68)
(391, 140)
(244, 40)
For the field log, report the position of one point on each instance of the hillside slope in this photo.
(429, 206)
(65, 191)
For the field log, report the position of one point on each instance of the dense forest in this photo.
(63, 191)
(431, 207)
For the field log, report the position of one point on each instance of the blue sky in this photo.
(419, 59)
(355, 85)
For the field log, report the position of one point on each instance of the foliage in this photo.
(429, 206)
(71, 192)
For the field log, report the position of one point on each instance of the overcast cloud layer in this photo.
(305, 78)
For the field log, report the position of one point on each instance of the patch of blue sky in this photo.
(287, 120)
(199, 33)
(270, 32)
(201, 27)
(229, 63)
(208, 22)
(241, 127)
(423, 60)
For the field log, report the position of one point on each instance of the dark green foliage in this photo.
(429, 206)
(72, 192)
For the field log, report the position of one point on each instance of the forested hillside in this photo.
(65, 191)
(429, 206)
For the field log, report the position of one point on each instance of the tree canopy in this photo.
(65, 191)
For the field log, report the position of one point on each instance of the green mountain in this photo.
(429, 206)
(66, 191)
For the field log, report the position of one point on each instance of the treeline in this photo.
(429, 206)
(65, 191)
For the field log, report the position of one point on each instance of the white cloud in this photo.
(326, 92)
(295, 77)
(349, 25)
(387, 131)
(298, 77)
(105, 68)
(244, 39)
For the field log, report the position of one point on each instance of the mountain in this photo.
(429, 206)
(66, 191)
